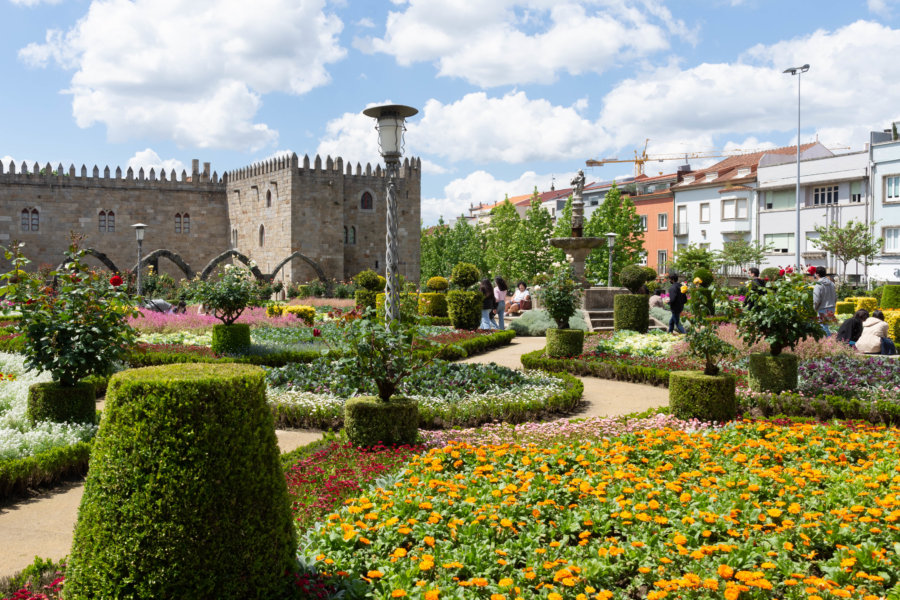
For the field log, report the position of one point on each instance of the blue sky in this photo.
(511, 93)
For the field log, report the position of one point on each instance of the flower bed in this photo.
(849, 376)
(448, 394)
(655, 344)
(751, 510)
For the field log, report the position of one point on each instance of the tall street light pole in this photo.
(798, 71)
(390, 127)
(139, 233)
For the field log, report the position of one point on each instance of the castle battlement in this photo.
(409, 168)
(59, 176)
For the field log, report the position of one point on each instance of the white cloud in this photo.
(882, 8)
(149, 159)
(482, 187)
(144, 68)
(525, 41)
(365, 22)
(34, 2)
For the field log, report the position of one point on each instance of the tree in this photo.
(689, 258)
(444, 246)
(533, 239)
(502, 250)
(850, 242)
(562, 229)
(742, 254)
(433, 253)
(617, 215)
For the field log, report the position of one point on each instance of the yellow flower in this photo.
(684, 289)
(697, 280)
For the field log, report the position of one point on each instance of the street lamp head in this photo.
(139, 231)
(390, 127)
(796, 70)
(611, 239)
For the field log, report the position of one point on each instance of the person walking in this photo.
(487, 304)
(824, 297)
(677, 300)
(500, 289)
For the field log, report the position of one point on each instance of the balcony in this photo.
(681, 229)
(736, 227)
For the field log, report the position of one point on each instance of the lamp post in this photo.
(798, 71)
(139, 233)
(611, 242)
(390, 125)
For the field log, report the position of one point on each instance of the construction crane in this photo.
(640, 159)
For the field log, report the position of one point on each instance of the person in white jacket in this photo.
(874, 338)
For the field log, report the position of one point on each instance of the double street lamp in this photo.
(139, 232)
(390, 125)
(798, 71)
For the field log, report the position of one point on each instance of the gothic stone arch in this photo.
(102, 258)
(309, 261)
(208, 269)
(175, 258)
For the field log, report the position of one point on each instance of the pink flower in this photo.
(116, 281)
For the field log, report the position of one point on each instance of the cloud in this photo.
(149, 159)
(482, 187)
(525, 41)
(365, 22)
(143, 68)
(882, 8)
(30, 3)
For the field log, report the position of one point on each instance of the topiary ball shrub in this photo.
(767, 373)
(464, 309)
(369, 421)
(438, 284)
(369, 280)
(890, 297)
(230, 339)
(562, 343)
(365, 299)
(185, 496)
(49, 401)
(693, 395)
(631, 311)
(433, 304)
(845, 308)
(633, 277)
(465, 275)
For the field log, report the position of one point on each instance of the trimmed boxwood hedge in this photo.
(694, 395)
(609, 369)
(49, 401)
(564, 342)
(12, 343)
(845, 308)
(409, 306)
(464, 309)
(185, 496)
(632, 312)
(369, 421)
(824, 408)
(43, 469)
(433, 304)
(365, 299)
(230, 339)
(890, 297)
(767, 373)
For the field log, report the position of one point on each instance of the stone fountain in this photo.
(578, 247)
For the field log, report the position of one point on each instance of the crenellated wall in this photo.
(297, 207)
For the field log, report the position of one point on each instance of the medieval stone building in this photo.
(329, 216)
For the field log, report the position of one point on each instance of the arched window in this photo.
(353, 235)
(346, 239)
(35, 220)
(185, 223)
(102, 221)
(177, 222)
(26, 219)
(234, 238)
(366, 202)
(262, 236)
(110, 222)
(268, 198)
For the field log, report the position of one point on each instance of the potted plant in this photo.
(561, 297)
(226, 298)
(708, 395)
(74, 328)
(782, 317)
(632, 311)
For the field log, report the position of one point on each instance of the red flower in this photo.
(811, 270)
(316, 332)
(790, 270)
(116, 281)
(781, 273)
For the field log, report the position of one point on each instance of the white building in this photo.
(884, 154)
(833, 191)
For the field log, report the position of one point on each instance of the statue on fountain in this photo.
(577, 247)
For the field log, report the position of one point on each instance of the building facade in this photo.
(333, 215)
(884, 154)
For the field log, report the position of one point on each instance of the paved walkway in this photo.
(43, 524)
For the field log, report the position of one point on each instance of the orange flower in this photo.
(725, 572)
(374, 574)
(432, 595)
(398, 593)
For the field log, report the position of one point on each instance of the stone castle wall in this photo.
(266, 211)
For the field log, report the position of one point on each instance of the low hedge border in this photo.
(595, 368)
(822, 408)
(43, 469)
(563, 402)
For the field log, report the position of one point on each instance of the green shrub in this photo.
(433, 304)
(43, 469)
(365, 299)
(693, 395)
(705, 275)
(537, 321)
(770, 273)
(605, 369)
(564, 342)
(890, 297)
(866, 303)
(845, 308)
(438, 284)
(464, 309)
(661, 314)
(185, 496)
(14, 344)
(303, 291)
(876, 293)
(631, 311)
(767, 373)
(368, 280)
(465, 275)
(633, 277)
(369, 421)
(435, 321)
(230, 339)
(49, 401)
(409, 306)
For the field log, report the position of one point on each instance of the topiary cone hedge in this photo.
(184, 497)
